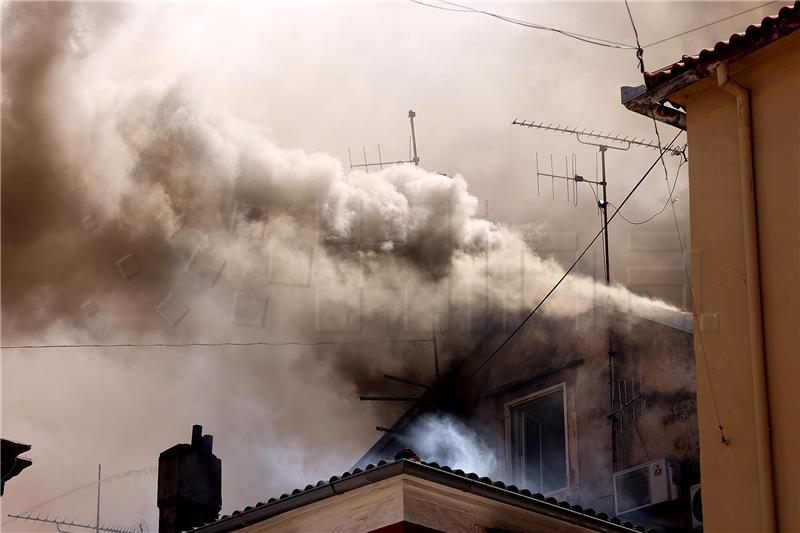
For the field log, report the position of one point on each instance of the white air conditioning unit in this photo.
(645, 485)
(696, 506)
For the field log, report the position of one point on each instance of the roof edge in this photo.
(455, 479)
(650, 99)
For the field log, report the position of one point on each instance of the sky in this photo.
(310, 80)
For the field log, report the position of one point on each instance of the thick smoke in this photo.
(133, 211)
(130, 178)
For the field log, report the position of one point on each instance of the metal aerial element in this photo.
(411, 382)
(413, 157)
(97, 527)
(582, 134)
(71, 524)
(603, 141)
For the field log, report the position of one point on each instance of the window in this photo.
(538, 442)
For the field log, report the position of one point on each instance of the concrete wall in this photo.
(725, 392)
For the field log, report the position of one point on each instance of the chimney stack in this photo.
(189, 484)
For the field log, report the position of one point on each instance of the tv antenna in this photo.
(97, 527)
(413, 157)
(626, 141)
(603, 142)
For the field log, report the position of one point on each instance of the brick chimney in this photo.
(189, 484)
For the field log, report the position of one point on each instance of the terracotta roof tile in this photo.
(786, 21)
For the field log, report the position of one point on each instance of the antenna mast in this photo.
(603, 141)
(411, 116)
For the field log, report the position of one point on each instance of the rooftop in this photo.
(406, 463)
(755, 36)
(648, 99)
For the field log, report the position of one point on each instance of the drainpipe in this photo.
(752, 270)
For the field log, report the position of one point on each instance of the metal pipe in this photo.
(607, 267)
(411, 116)
(755, 316)
(97, 525)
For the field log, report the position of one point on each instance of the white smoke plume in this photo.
(447, 441)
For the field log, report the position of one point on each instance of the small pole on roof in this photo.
(436, 355)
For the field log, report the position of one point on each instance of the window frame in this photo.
(562, 387)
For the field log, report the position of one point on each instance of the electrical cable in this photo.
(639, 49)
(442, 7)
(598, 41)
(195, 344)
(572, 266)
(587, 38)
(670, 190)
(724, 439)
(665, 39)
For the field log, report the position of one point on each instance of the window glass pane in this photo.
(538, 443)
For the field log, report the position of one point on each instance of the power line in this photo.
(573, 265)
(459, 8)
(587, 38)
(723, 438)
(198, 344)
(442, 7)
(703, 26)
(670, 190)
(639, 49)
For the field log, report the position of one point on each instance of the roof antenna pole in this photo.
(411, 116)
(603, 141)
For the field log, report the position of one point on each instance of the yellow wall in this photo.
(729, 473)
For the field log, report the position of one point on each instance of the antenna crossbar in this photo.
(72, 523)
(583, 133)
(381, 164)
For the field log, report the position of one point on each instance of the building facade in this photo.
(740, 104)
(559, 427)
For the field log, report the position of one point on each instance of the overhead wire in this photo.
(441, 7)
(569, 270)
(197, 344)
(459, 8)
(706, 25)
(723, 438)
(670, 190)
(582, 37)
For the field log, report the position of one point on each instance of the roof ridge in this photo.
(431, 471)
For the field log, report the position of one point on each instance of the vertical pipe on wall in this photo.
(755, 318)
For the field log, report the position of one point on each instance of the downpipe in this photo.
(755, 316)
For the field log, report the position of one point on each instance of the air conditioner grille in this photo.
(633, 489)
